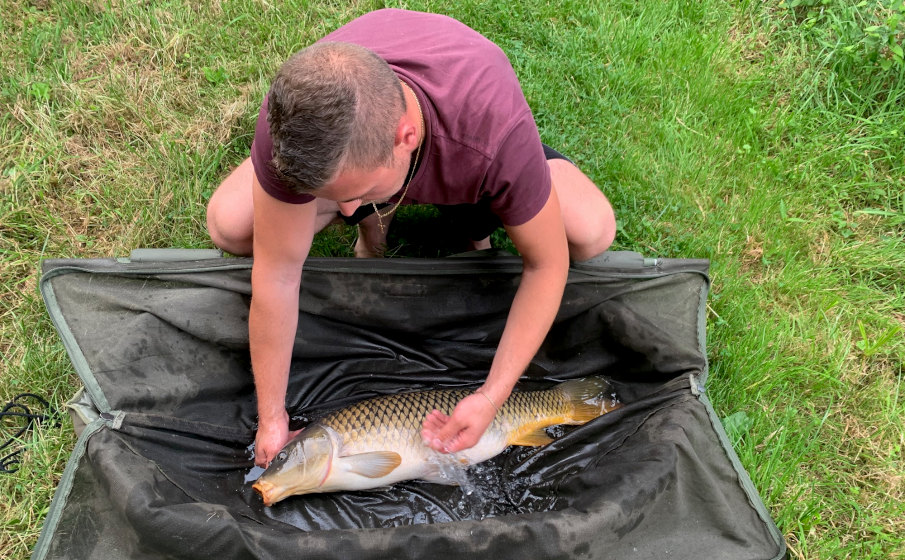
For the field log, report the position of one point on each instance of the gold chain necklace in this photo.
(411, 174)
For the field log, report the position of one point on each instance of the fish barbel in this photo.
(377, 442)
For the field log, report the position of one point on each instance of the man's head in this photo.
(332, 106)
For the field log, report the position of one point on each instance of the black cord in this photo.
(24, 419)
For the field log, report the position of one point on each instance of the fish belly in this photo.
(341, 478)
(491, 444)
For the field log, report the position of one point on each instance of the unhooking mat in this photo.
(163, 468)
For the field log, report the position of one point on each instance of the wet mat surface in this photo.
(169, 351)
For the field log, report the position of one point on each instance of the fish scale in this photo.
(391, 419)
(397, 419)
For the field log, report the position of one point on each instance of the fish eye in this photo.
(281, 456)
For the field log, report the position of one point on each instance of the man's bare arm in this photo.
(282, 238)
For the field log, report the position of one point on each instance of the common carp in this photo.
(377, 442)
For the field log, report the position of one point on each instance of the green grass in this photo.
(767, 137)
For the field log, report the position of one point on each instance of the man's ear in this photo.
(406, 134)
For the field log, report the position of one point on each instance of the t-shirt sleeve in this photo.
(261, 155)
(518, 180)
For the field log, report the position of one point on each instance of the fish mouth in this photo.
(268, 491)
(272, 493)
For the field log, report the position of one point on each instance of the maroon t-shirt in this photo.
(481, 141)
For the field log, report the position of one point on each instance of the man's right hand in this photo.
(270, 439)
(282, 236)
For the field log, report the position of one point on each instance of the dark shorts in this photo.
(474, 220)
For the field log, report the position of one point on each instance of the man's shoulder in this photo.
(395, 17)
(400, 35)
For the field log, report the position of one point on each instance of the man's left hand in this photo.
(462, 430)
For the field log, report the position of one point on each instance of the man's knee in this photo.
(594, 236)
(224, 230)
(587, 214)
(216, 227)
(230, 213)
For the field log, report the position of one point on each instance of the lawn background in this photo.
(768, 137)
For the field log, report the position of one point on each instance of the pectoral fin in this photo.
(374, 464)
(535, 438)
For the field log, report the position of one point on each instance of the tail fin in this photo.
(589, 398)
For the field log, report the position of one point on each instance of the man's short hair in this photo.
(332, 106)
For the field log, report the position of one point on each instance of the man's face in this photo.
(352, 188)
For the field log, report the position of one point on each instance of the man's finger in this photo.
(463, 440)
(449, 431)
(436, 440)
(434, 421)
